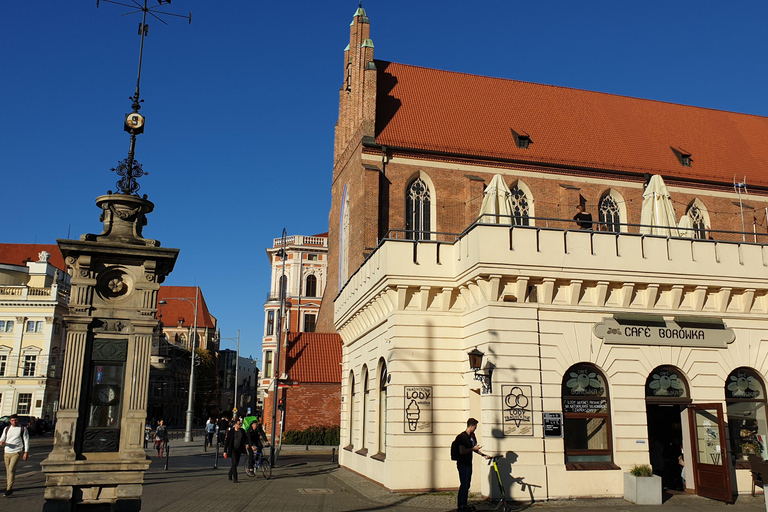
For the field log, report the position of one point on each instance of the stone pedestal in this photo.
(98, 460)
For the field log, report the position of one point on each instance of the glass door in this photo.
(710, 456)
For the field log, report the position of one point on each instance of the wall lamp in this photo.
(476, 364)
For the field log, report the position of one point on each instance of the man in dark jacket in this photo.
(236, 444)
(254, 436)
(467, 446)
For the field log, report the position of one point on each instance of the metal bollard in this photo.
(216, 459)
(167, 454)
(333, 455)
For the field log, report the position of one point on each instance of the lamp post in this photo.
(276, 380)
(190, 401)
(237, 362)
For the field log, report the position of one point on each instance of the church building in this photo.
(635, 334)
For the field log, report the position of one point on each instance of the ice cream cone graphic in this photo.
(412, 412)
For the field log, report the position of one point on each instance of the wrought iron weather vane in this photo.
(129, 169)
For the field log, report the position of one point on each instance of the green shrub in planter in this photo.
(315, 435)
(641, 470)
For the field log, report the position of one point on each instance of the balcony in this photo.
(299, 240)
(550, 262)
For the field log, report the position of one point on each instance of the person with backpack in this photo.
(16, 442)
(462, 449)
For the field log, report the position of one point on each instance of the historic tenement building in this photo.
(309, 362)
(34, 293)
(606, 343)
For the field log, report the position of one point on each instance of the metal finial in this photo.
(129, 168)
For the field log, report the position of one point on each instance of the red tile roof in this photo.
(176, 310)
(19, 254)
(314, 357)
(434, 110)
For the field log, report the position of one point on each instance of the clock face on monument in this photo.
(106, 394)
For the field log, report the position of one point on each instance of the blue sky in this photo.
(241, 106)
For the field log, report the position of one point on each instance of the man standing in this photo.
(236, 445)
(467, 445)
(16, 441)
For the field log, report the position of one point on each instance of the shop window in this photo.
(25, 403)
(364, 409)
(587, 419)
(745, 404)
(351, 410)
(417, 211)
(382, 410)
(520, 207)
(310, 290)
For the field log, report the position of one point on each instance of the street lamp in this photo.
(276, 379)
(190, 402)
(237, 363)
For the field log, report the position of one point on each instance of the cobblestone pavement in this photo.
(310, 481)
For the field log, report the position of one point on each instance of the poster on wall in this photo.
(516, 410)
(553, 424)
(418, 410)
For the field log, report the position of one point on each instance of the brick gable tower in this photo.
(356, 187)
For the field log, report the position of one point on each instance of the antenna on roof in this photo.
(738, 187)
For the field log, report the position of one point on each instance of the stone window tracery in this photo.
(417, 211)
(697, 221)
(520, 208)
(610, 217)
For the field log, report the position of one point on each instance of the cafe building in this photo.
(462, 286)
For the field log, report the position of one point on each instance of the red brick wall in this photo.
(306, 406)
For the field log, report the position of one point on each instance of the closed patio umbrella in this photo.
(497, 205)
(658, 215)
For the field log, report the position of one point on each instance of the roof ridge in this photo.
(588, 91)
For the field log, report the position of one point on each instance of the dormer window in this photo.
(683, 156)
(522, 139)
(685, 160)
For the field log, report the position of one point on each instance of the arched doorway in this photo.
(666, 395)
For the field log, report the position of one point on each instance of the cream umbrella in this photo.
(497, 204)
(685, 226)
(658, 215)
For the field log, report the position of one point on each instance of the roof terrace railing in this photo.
(715, 235)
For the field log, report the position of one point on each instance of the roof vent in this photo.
(522, 139)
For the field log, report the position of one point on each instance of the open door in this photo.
(710, 456)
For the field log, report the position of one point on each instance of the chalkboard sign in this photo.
(553, 424)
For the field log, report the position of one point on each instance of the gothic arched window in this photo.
(520, 210)
(610, 219)
(697, 221)
(417, 211)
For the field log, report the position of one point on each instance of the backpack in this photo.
(23, 444)
(455, 449)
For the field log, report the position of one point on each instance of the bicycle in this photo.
(262, 463)
(492, 461)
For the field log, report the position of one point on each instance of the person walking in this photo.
(236, 444)
(254, 436)
(16, 442)
(161, 438)
(466, 442)
(210, 429)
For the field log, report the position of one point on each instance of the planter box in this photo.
(642, 490)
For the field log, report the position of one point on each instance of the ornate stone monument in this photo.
(98, 456)
(98, 460)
